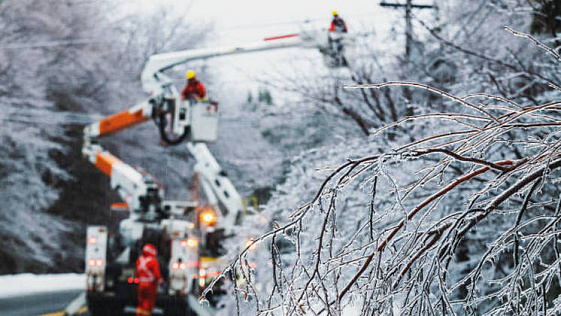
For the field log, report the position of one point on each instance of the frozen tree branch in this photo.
(405, 255)
(454, 210)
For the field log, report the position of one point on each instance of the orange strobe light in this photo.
(208, 216)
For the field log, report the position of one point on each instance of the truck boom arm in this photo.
(138, 114)
(153, 78)
(217, 185)
(138, 190)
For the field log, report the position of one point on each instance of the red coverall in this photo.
(338, 25)
(193, 90)
(148, 271)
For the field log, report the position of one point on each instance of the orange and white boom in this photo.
(143, 197)
(138, 114)
(141, 193)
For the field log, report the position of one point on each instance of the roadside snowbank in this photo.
(23, 284)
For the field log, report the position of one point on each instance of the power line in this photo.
(413, 5)
(408, 25)
(291, 22)
(84, 41)
(53, 44)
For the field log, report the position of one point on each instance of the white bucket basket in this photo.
(204, 122)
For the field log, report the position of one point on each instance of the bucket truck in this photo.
(181, 230)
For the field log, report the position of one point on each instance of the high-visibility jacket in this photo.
(148, 269)
(148, 272)
(193, 90)
(338, 25)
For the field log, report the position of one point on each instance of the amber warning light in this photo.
(208, 217)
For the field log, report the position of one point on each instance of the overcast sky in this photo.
(246, 21)
(251, 19)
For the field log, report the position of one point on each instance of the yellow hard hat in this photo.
(190, 74)
(335, 12)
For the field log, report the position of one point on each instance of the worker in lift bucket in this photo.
(194, 90)
(337, 24)
(337, 32)
(148, 272)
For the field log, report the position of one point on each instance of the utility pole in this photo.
(408, 24)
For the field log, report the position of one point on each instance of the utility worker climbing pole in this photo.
(194, 89)
(337, 24)
(148, 272)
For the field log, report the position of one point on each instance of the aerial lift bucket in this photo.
(204, 121)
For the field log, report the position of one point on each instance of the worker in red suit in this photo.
(148, 272)
(194, 89)
(335, 37)
(338, 25)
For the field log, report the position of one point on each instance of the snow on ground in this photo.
(13, 285)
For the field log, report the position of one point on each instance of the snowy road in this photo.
(55, 303)
(50, 304)
(50, 294)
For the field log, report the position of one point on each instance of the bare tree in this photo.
(322, 91)
(168, 28)
(62, 65)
